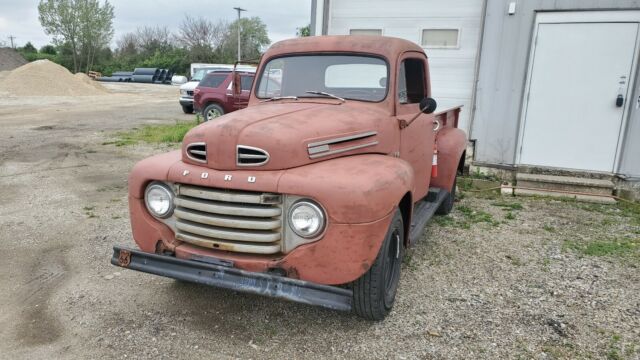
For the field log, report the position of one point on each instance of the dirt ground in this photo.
(497, 279)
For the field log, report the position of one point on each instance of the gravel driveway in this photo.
(499, 278)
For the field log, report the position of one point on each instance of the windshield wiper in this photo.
(280, 98)
(315, 92)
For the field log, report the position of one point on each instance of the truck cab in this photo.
(314, 191)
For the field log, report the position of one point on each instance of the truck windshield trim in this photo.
(350, 76)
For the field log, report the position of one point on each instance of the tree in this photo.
(149, 39)
(253, 39)
(49, 49)
(86, 25)
(303, 31)
(29, 48)
(202, 37)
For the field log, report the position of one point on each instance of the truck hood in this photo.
(287, 134)
(191, 85)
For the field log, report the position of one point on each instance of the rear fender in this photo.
(451, 145)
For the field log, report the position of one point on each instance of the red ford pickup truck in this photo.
(213, 97)
(315, 190)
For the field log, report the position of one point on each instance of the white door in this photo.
(572, 115)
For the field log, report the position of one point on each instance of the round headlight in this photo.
(183, 92)
(159, 200)
(306, 219)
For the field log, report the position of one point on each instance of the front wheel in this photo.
(374, 292)
(212, 111)
(187, 109)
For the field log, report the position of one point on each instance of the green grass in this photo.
(548, 228)
(154, 134)
(508, 205)
(621, 247)
(469, 217)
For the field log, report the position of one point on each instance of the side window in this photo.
(246, 82)
(411, 87)
(213, 80)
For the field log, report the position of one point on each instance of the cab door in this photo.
(416, 140)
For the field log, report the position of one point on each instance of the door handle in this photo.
(619, 101)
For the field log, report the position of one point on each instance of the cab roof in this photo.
(386, 46)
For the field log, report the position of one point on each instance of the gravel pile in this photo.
(10, 59)
(45, 78)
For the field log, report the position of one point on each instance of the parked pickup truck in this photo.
(214, 96)
(315, 190)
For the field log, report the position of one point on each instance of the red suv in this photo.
(213, 97)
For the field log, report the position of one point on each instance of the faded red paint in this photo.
(359, 189)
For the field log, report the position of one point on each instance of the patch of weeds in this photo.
(472, 216)
(507, 205)
(115, 200)
(614, 348)
(546, 263)
(609, 221)
(91, 151)
(116, 217)
(515, 261)
(444, 221)
(154, 134)
(88, 211)
(478, 175)
(625, 246)
(510, 216)
(409, 262)
(548, 228)
(465, 184)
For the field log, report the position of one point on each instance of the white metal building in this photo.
(549, 87)
(449, 31)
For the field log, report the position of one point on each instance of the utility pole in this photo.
(11, 37)
(239, 9)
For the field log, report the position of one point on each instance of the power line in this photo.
(11, 37)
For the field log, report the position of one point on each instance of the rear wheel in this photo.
(374, 292)
(447, 205)
(187, 109)
(212, 111)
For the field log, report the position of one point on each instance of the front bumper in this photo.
(186, 101)
(219, 273)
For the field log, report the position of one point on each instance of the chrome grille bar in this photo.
(230, 220)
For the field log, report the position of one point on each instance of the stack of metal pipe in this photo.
(141, 75)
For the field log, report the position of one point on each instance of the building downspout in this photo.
(477, 72)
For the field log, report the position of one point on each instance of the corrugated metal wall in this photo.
(503, 69)
(452, 70)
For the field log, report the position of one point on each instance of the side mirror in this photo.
(237, 85)
(428, 105)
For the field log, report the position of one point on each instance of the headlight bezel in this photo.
(168, 191)
(316, 208)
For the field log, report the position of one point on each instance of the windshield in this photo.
(354, 77)
(199, 74)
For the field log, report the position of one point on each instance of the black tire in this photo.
(187, 109)
(447, 205)
(374, 292)
(212, 111)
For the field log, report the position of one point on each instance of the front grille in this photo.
(239, 221)
(189, 92)
(251, 156)
(197, 152)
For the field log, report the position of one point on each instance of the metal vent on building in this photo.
(251, 156)
(197, 152)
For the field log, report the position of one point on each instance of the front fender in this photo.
(353, 189)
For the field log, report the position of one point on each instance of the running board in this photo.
(423, 211)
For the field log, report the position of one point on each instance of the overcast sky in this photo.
(20, 17)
